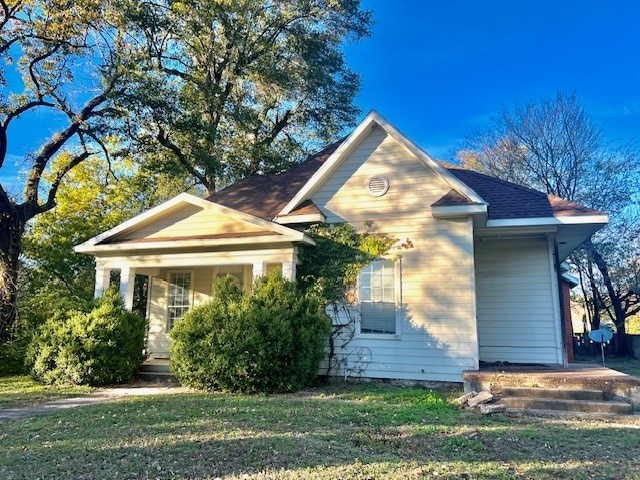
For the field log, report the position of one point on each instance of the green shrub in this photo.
(98, 347)
(34, 307)
(269, 340)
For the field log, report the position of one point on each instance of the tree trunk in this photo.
(616, 302)
(11, 231)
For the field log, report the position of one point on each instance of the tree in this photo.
(219, 89)
(65, 60)
(92, 198)
(552, 145)
(240, 87)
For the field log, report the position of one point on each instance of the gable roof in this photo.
(108, 241)
(374, 119)
(267, 196)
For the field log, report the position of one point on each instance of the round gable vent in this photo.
(378, 186)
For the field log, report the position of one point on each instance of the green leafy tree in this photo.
(64, 60)
(240, 87)
(552, 145)
(92, 198)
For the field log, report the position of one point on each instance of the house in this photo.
(481, 283)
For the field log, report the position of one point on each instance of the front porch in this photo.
(501, 379)
(175, 285)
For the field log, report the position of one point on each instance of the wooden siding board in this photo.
(187, 220)
(437, 334)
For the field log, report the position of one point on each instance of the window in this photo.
(179, 299)
(377, 287)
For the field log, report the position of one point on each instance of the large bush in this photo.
(269, 340)
(98, 347)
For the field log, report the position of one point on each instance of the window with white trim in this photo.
(179, 297)
(378, 295)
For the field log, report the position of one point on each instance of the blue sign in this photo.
(601, 335)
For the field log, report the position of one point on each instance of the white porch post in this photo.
(289, 271)
(102, 281)
(258, 270)
(127, 279)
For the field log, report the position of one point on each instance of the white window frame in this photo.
(397, 284)
(191, 273)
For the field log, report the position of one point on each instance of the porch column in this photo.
(258, 270)
(289, 271)
(102, 281)
(127, 279)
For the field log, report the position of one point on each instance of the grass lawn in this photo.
(628, 365)
(361, 431)
(19, 391)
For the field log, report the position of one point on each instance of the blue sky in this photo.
(438, 70)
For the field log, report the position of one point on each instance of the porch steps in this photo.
(562, 400)
(156, 371)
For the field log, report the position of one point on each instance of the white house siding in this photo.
(517, 315)
(189, 220)
(437, 338)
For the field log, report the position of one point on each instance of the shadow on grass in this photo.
(325, 434)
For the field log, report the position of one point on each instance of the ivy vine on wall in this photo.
(330, 270)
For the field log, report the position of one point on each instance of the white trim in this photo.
(361, 131)
(555, 300)
(474, 297)
(177, 243)
(572, 279)
(192, 273)
(538, 221)
(174, 204)
(514, 232)
(127, 284)
(199, 259)
(442, 211)
(308, 218)
(103, 276)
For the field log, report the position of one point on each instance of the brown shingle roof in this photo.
(264, 196)
(508, 200)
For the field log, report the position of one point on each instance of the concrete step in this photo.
(162, 377)
(589, 406)
(155, 367)
(554, 393)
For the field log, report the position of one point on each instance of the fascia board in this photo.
(308, 218)
(568, 220)
(441, 211)
(181, 244)
(426, 159)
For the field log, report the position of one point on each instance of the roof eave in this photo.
(449, 211)
(177, 244)
(600, 219)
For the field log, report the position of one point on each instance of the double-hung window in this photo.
(379, 297)
(179, 296)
